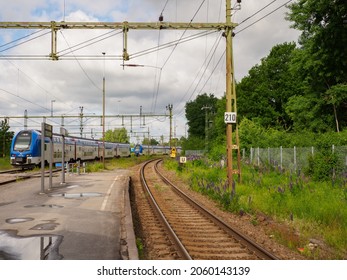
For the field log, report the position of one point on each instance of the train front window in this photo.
(22, 141)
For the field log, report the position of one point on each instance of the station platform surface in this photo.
(86, 218)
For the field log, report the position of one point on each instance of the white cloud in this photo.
(73, 84)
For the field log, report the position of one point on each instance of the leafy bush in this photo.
(324, 165)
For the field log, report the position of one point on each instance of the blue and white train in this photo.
(26, 149)
(154, 150)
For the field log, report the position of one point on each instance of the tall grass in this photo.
(316, 209)
(116, 163)
(5, 163)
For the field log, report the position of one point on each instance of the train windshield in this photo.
(23, 141)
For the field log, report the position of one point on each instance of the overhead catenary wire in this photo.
(27, 100)
(75, 47)
(175, 46)
(179, 41)
(83, 70)
(254, 14)
(26, 41)
(172, 43)
(248, 18)
(265, 16)
(172, 51)
(88, 43)
(257, 12)
(204, 65)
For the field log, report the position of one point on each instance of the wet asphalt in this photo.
(82, 219)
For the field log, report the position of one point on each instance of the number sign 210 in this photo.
(230, 117)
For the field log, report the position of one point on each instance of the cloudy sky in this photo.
(170, 73)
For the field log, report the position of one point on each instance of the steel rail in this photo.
(246, 241)
(161, 216)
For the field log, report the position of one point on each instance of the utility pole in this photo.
(228, 27)
(81, 121)
(140, 116)
(103, 114)
(169, 107)
(25, 119)
(230, 97)
(206, 124)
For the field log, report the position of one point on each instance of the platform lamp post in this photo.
(103, 115)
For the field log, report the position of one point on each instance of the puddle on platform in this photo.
(91, 194)
(73, 186)
(43, 205)
(18, 220)
(77, 195)
(6, 203)
(46, 226)
(42, 247)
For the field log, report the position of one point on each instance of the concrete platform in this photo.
(87, 218)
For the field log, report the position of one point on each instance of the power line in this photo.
(172, 43)
(211, 55)
(164, 7)
(263, 17)
(175, 46)
(27, 100)
(257, 12)
(79, 64)
(24, 41)
(90, 41)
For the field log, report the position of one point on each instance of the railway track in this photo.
(185, 229)
(11, 176)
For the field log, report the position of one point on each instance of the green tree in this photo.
(263, 94)
(118, 135)
(196, 115)
(152, 141)
(323, 38)
(321, 62)
(337, 97)
(5, 138)
(193, 143)
(303, 110)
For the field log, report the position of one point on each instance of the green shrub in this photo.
(324, 165)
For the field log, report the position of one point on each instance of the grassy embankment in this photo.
(5, 163)
(116, 163)
(316, 210)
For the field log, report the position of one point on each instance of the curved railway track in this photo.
(186, 229)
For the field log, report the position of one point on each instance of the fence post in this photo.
(258, 157)
(294, 158)
(251, 155)
(281, 157)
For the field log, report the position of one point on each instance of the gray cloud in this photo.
(75, 83)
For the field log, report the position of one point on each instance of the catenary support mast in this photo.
(228, 27)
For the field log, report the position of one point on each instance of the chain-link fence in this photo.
(293, 159)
